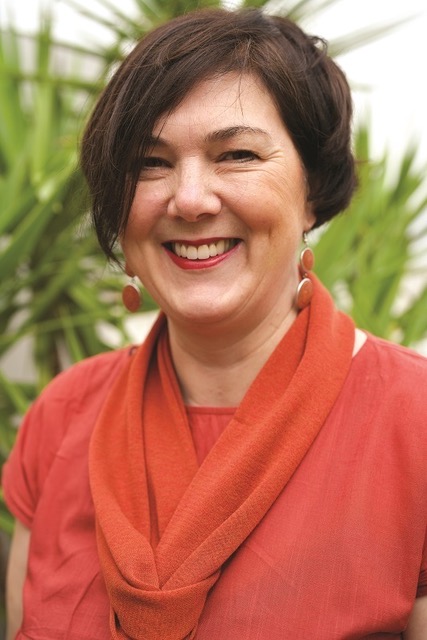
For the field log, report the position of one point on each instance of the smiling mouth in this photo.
(202, 251)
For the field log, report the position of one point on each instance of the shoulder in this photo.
(392, 381)
(394, 361)
(58, 426)
(76, 395)
(70, 403)
(87, 374)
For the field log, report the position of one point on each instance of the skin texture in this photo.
(249, 186)
(224, 167)
(417, 627)
(17, 569)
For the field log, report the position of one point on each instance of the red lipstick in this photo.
(187, 264)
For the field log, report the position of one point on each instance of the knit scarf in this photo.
(165, 526)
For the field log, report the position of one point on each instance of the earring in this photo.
(305, 287)
(131, 295)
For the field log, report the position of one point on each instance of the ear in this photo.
(309, 217)
(129, 271)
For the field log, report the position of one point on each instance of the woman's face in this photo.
(220, 208)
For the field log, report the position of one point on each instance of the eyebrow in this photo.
(217, 136)
(232, 132)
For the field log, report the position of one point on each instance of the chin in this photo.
(203, 317)
(203, 313)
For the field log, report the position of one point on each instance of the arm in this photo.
(417, 626)
(16, 572)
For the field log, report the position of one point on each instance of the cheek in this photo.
(133, 239)
(139, 224)
(148, 204)
(280, 190)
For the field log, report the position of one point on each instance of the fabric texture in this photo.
(206, 425)
(339, 555)
(161, 543)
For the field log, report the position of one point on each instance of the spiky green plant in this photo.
(373, 255)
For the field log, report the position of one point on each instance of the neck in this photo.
(216, 368)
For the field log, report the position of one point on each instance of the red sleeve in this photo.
(27, 468)
(45, 426)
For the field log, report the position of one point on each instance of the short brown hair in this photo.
(309, 89)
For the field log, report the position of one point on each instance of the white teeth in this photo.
(213, 251)
(191, 253)
(203, 251)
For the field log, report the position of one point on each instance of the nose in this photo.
(193, 194)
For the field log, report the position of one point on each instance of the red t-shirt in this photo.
(341, 554)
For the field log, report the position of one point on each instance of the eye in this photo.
(239, 155)
(151, 167)
(150, 162)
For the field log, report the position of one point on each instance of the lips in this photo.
(202, 253)
(204, 250)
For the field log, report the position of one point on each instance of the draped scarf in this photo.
(164, 525)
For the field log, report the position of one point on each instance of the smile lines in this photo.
(203, 251)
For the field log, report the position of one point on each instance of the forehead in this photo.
(228, 100)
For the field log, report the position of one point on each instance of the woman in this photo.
(256, 469)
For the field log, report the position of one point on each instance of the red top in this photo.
(340, 554)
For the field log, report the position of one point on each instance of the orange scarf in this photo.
(164, 525)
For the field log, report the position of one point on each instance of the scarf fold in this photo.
(164, 525)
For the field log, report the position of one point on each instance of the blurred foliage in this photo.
(51, 286)
(56, 288)
(373, 257)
